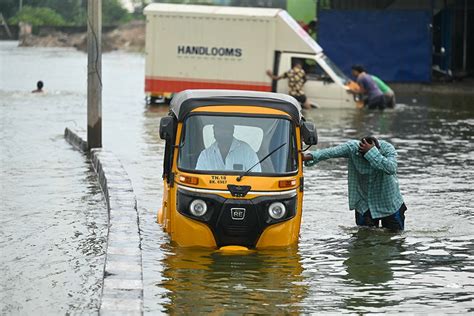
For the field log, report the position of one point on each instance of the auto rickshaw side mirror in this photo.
(166, 127)
(309, 133)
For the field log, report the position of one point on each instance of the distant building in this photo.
(400, 40)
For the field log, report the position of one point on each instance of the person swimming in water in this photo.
(39, 87)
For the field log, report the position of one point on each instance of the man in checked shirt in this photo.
(374, 193)
(296, 79)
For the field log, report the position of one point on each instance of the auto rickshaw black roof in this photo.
(187, 100)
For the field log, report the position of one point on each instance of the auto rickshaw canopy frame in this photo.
(186, 101)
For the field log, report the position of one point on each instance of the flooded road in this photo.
(53, 215)
(53, 223)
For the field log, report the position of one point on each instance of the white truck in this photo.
(211, 47)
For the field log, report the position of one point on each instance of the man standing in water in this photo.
(368, 87)
(296, 79)
(388, 94)
(374, 193)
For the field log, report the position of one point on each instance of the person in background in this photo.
(374, 193)
(311, 27)
(367, 86)
(388, 94)
(296, 80)
(39, 87)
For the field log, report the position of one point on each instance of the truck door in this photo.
(320, 88)
(283, 65)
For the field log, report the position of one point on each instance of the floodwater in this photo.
(53, 215)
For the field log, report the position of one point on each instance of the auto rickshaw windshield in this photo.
(235, 144)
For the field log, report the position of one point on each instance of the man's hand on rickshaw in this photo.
(308, 160)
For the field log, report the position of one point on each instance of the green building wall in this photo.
(302, 10)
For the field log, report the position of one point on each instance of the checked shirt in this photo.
(296, 79)
(372, 178)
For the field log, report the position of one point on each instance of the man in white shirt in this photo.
(227, 152)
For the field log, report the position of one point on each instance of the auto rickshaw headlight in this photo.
(198, 207)
(277, 210)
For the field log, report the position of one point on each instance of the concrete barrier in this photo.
(122, 291)
(76, 139)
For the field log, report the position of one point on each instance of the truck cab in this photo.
(326, 85)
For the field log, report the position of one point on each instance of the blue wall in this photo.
(394, 45)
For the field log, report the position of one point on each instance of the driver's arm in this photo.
(202, 162)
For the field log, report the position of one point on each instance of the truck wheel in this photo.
(168, 100)
(154, 100)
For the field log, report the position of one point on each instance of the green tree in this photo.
(37, 16)
(9, 8)
(113, 13)
(68, 9)
(74, 12)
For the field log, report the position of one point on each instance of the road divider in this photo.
(122, 291)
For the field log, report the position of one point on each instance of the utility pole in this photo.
(464, 50)
(4, 23)
(94, 73)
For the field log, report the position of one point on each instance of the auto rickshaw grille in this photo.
(235, 230)
(235, 221)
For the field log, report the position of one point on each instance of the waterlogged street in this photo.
(53, 223)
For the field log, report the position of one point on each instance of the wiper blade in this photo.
(261, 160)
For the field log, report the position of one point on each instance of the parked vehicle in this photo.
(207, 47)
(251, 199)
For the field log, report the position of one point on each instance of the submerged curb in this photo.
(122, 292)
(76, 139)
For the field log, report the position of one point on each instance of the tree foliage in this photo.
(37, 16)
(9, 8)
(113, 13)
(73, 12)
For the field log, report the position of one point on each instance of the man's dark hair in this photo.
(39, 85)
(297, 61)
(358, 68)
(371, 140)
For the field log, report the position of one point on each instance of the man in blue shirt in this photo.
(368, 87)
(374, 193)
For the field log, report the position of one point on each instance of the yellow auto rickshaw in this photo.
(233, 169)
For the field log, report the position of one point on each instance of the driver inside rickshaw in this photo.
(227, 152)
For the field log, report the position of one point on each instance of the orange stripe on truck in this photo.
(162, 85)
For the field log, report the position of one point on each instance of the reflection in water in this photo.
(203, 281)
(369, 253)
